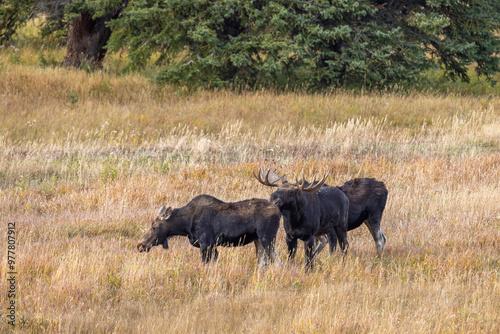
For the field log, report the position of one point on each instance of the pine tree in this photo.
(322, 43)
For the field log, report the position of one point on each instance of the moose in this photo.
(367, 200)
(209, 222)
(309, 210)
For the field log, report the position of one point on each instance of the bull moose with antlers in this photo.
(309, 210)
(367, 200)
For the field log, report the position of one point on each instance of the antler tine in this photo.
(300, 186)
(258, 177)
(264, 176)
(265, 181)
(267, 176)
(261, 170)
(312, 188)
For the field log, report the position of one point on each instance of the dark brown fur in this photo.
(367, 200)
(209, 222)
(308, 212)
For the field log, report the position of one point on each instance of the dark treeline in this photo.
(275, 43)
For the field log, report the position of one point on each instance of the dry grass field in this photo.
(86, 160)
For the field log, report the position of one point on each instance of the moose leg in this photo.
(342, 238)
(373, 225)
(309, 252)
(292, 247)
(271, 253)
(261, 254)
(291, 242)
(332, 240)
(274, 255)
(208, 252)
(204, 254)
(320, 243)
(269, 248)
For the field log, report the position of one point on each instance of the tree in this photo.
(83, 21)
(13, 13)
(215, 43)
(322, 43)
(88, 32)
(55, 23)
(450, 33)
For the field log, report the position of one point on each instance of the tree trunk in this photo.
(86, 40)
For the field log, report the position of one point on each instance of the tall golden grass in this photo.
(88, 158)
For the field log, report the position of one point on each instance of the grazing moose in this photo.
(367, 199)
(209, 222)
(308, 210)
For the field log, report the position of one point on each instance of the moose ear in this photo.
(162, 210)
(167, 213)
(283, 179)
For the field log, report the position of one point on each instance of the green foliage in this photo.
(215, 43)
(13, 14)
(97, 8)
(287, 43)
(318, 43)
(73, 98)
(54, 26)
(47, 60)
(110, 171)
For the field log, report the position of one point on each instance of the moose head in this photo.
(287, 193)
(157, 234)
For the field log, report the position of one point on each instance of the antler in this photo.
(265, 180)
(311, 187)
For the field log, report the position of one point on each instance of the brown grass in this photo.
(87, 159)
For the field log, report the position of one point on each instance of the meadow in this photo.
(87, 158)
